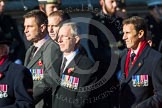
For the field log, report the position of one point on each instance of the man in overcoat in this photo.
(16, 85)
(141, 66)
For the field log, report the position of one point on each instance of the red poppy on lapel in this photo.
(1, 75)
(70, 70)
(40, 63)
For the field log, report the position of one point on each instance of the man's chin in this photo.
(53, 38)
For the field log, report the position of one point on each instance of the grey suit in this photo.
(41, 65)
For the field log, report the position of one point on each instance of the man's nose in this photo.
(59, 39)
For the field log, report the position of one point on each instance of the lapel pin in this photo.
(1, 75)
(139, 64)
(40, 63)
(70, 70)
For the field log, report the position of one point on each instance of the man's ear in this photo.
(141, 34)
(77, 39)
(42, 27)
(101, 2)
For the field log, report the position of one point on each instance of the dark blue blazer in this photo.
(18, 83)
(133, 92)
(64, 97)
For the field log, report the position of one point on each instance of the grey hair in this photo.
(75, 29)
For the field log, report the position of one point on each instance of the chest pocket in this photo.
(37, 74)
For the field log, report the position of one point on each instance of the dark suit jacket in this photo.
(9, 31)
(136, 94)
(46, 55)
(104, 39)
(66, 97)
(104, 36)
(19, 84)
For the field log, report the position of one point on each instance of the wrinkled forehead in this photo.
(128, 27)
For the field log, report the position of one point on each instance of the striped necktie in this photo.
(63, 65)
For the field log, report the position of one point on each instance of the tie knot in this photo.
(132, 56)
(34, 48)
(33, 52)
(64, 60)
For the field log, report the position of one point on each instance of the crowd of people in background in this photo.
(123, 69)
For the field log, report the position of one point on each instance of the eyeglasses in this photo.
(65, 37)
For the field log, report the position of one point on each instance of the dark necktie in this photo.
(131, 60)
(63, 65)
(132, 56)
(33, 51)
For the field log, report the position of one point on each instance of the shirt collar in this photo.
(41, 42)
(135, 51)
(72, 55)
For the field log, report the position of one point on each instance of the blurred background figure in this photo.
(149, 38)
(49, 6)
(100, 47)
(9, 31)
(121, 9)
(154, 20)
(160, 46)
(15, 81)
(55, 20)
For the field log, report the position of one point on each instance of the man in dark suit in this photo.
(109, 28)
(141, 68)
(41, 56)
(9, 31)
(76, 73)
(104, 39)
(16, 85)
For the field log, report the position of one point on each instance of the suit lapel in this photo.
(38, 55)
(58, 65)
(27, 57)
(138, 64)
(35, 58)
(73, 63)
(4, 66)
(123, 68)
